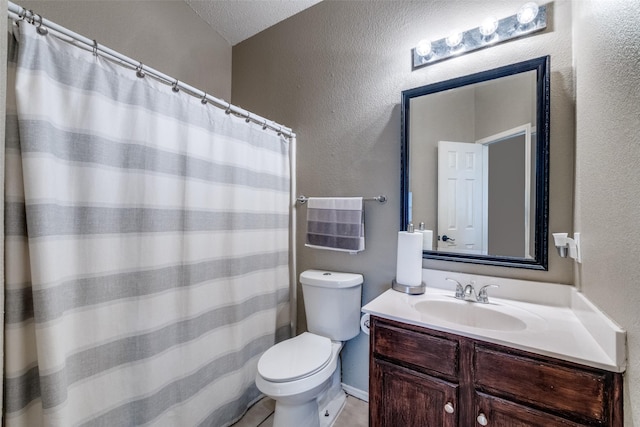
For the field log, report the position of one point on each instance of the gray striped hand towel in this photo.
(335, 223)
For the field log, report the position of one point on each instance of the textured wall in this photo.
(607, 56)
(166, 35)
(516, 96)
(443, 116)
(335, 72)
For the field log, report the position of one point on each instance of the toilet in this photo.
(302, 374)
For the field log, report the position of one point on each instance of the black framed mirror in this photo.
(475, 166)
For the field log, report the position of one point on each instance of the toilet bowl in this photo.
(301, 371)
(295, 373)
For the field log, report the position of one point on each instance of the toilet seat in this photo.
(295, 358)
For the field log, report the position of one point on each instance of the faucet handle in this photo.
(483, 297)
(459, 288)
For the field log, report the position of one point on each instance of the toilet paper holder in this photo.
(365, 323)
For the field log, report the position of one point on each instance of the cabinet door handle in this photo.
(482, 419)
(448, 408)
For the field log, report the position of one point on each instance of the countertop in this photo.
(570, 328)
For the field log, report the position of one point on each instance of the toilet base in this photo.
(333, 408)
(332, 400)
(305, 414)
(309, 414)
(303, 403)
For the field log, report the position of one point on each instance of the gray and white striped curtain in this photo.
(146, 246)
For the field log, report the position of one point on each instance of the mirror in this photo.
(475, 166)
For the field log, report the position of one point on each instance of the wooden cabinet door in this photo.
(577, 394)
(503, 413)
(400, 397)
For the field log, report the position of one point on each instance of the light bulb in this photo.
(489, 26)
(423, 48)
(454, 39)
(527, 13)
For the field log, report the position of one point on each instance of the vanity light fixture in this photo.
(529, 18)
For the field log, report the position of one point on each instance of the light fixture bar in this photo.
(508, 28)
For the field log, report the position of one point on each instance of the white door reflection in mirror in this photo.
(460, 204)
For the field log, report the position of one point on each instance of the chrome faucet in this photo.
(459, 289)
(482, 295)
(468, 293)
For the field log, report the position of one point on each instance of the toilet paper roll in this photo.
(365, 323)
(427, 240)
(409, 260)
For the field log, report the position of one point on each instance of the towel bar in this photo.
(380, 199)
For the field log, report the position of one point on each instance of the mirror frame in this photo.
(542, 67)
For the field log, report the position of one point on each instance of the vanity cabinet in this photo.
(422, 377)
(412, 380)
(410, 396)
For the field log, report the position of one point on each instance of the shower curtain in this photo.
(146, 246)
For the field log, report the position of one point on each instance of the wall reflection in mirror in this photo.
(475, 165)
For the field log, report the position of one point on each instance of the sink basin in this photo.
(484, 316)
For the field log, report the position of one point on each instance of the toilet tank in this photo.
(332, 303)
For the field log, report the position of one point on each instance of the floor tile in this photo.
(257, 414)
(354, 414)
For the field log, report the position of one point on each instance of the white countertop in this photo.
(565, 326)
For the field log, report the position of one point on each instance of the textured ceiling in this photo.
(237, 20)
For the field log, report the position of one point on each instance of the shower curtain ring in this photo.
(30, 16)
(204, 98)
(228, 110)
(248, 118)
(40, 29)
(264, 126)
(23, 14)
(139, 71)
(95, 47)
(175, 87)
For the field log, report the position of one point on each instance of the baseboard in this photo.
(356, 392)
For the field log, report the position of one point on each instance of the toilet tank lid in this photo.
(330, 279)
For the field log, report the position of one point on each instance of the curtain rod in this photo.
(17, 12)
